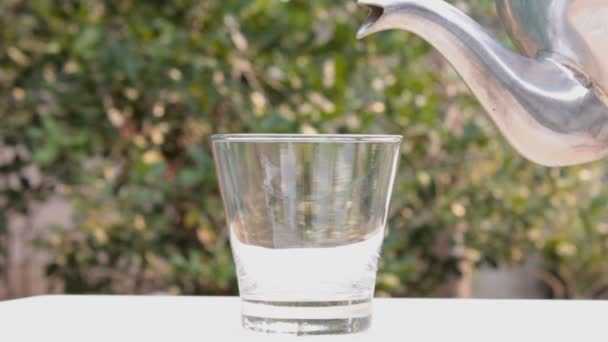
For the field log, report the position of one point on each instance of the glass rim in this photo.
(315, 138)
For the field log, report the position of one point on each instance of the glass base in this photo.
(307, 318)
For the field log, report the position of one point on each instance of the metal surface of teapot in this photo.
(551, 101)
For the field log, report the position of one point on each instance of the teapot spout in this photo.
(546, 110)
(371, 24)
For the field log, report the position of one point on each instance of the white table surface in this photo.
(184, 319)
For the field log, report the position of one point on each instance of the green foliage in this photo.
(114, 102)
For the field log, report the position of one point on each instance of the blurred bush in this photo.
(111, 104)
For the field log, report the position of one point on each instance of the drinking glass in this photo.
(306, 215)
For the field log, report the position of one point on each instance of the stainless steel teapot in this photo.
(551, 101)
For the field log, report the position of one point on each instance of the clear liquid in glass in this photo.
(307, 290)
